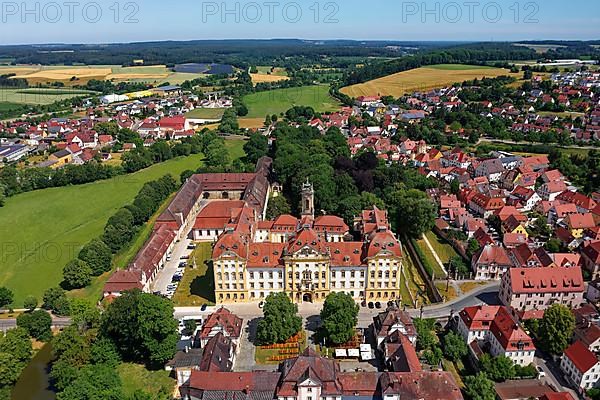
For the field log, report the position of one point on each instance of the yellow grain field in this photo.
(420, 79)
(67, 73)
(261, 78)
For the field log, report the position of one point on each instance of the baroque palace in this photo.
(307, 257)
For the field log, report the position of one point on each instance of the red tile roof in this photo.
(581, 357)
(546, 280)
(225, 320)
(265, 255)
(557, 396)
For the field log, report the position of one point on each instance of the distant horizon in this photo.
(373, 40)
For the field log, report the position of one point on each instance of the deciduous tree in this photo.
(339, 317)
(6, 296)
(281, 320)
(97, 255)
(455, 347)
(556, 328)
(37, 323)
(479, 387)
(142, 327)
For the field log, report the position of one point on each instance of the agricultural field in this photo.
(206, 113)
(280, 100)
(269, 74)
(421, 79)
(44, 229)
(78, 75)
(38, 96)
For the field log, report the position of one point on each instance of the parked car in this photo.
(203, 307)
(185, 257)
(540, 371)
(176, 278)
(182, 264)
(191, 247)
(371, 305)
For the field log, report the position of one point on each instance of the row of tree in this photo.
(339, 317)
(95, 257)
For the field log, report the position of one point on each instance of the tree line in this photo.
(14, 180)
(346, 185)
(95, 258)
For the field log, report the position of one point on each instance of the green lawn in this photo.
(280, 100)
(430, 259)
(197, 286)
(235, 148)
(44, 229)
(206, 113)
(443, 249)
(136, 377)
(122, 259)
(457, 67)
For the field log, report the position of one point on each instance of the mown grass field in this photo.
(444, 250)
(10, 96)
(136, 377)
(43, 230)
(206, 113)
(421, 79)
(430, 259)
(280, 100)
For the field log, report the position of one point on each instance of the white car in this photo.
(540, 371)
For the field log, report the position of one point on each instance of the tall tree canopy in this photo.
(339, 317)
(556, 328)
(281, 320)
(142, 327)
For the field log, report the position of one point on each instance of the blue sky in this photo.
(99, 22)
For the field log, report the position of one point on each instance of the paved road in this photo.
(554, 376)
(57, 322)
(486, 294)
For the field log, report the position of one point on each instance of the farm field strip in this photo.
(422, 79)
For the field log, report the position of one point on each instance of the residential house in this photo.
(392, 320)
(490, 262)
(590, 257)
(484, 205)
(526, 289)
(578, 223)
(224, 322)
(551, 190)
(494, 327)
(580, 366)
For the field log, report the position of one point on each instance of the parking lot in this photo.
(176, 265)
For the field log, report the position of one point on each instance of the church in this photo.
(307, 257)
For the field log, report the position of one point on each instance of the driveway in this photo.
(165, 276)
(554, 376)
